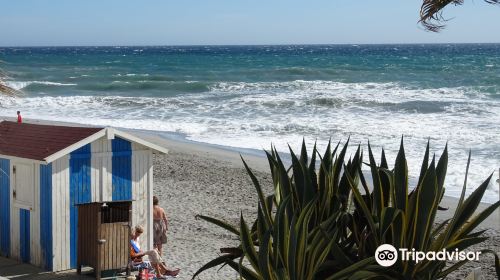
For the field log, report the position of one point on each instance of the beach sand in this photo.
(197, 179)
(202, 180)
(194, 179)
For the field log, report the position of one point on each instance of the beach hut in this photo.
(46, 171)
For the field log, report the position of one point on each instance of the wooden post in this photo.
(475, 274)
(78, 245)
(100, 247)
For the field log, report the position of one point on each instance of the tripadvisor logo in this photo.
(386, 255)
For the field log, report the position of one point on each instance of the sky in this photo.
(237, 22)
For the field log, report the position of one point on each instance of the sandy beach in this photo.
(198, 179)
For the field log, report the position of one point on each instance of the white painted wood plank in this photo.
(66, 221)
(107, 171)
(150, 196)
(58, 201)
(60, 214)
(56, 217)
(56, 208)
(140, 196)
(138, 147)
(142, 200)
(135, 194)
(108, 178)
(95, 169)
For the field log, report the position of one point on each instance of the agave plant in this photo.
(324, 221)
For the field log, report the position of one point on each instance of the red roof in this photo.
(36, 141)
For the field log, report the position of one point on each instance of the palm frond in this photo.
(4, 88)
(431, 12)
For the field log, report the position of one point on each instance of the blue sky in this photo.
(226, 22)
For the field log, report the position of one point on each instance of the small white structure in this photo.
(46, 170)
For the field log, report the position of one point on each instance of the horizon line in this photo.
(246, 45)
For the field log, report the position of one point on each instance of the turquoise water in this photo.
(250, 96)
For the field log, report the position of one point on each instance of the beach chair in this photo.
(145, 269)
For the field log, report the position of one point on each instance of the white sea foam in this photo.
(252, 115)
(22, 84)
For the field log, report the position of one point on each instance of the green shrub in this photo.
(324, 221)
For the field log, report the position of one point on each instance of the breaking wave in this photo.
(19, 85)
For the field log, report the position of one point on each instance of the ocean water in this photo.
(252, 96)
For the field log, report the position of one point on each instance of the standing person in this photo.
(19, 118)
(160, 225)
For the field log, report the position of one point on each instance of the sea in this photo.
(252, 97)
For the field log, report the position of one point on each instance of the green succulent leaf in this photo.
(378, 198)
(260, 193)
(220, 223)
(215, 262)
(244, 271)
(265, 251)
(348, 271)
(426, 204)
(401, 180)
(247, 244)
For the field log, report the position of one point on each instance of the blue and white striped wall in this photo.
(104, 170)
(20, 225)
(4, 207)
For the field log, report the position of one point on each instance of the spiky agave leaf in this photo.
(258, 188)
(221, 260)
(378, 197)
(220, 223)
(364, 208)
(248, 245)
(348, 271)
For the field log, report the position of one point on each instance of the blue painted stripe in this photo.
(78, 156)
(46, 215)
(121, 169)
(122, 153)
(24, 236)
(4, 207)
(80, 192)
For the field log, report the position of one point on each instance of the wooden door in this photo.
(114, 248)
(23, 185)
(23, 196)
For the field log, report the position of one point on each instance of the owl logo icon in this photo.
(386, 255)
